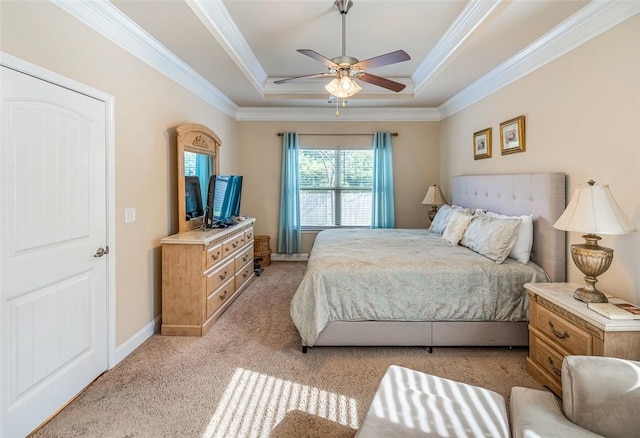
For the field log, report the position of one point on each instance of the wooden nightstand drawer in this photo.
(546, 357)
(561, 332)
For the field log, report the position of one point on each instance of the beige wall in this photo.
(415, 166)
(147, 106)
(582, 118)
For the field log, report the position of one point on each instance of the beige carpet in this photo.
(248, 378)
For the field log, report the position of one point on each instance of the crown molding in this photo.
(465, 24)
(327, 114)
(215, 17)
(114, 25)
(587, 23)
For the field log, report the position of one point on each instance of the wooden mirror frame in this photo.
(200, 140)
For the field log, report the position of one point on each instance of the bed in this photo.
(407, 290)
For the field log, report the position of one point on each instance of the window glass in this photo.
(335, 187)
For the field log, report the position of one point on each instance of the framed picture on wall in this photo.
(482, 144)
(512, 137)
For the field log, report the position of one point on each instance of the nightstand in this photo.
(560, 325)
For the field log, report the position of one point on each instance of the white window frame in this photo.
(337, 190)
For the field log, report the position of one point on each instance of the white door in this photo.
(53, 220)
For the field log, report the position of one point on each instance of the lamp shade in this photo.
(434, 196)
(592, 209)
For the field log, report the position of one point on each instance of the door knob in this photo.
(101, 251)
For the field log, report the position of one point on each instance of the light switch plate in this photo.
(129, 215)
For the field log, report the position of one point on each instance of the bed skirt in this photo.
(424, 334)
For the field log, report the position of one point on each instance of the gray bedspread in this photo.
(405, 275)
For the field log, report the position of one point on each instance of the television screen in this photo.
(223, 199)
(193, 197)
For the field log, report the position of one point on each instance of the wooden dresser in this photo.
(203, 271)
(560, 325)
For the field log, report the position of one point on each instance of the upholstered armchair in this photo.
(600, 397)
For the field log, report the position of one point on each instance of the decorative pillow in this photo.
(441, 219)
(456, 227)
(521, 250)
(491, 237)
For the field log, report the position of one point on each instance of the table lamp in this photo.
(434, 198)
(593, 210)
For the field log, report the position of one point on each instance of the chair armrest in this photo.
(602, 394)
(536, 414)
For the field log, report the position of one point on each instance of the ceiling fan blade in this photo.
(318, 57)
(381, 82)
(379, 61)
(315, 75)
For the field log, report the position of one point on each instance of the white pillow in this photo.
(456, 227)
(441, 219)
(521, 250)
(491, 237)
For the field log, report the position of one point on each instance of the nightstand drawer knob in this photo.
(557, 333)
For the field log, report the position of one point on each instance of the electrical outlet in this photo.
(129, 215)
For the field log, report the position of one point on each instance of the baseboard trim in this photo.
(289, 257)
(128, 346)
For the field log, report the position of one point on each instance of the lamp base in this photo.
(432, 213)
(592, 260)
(589, 294)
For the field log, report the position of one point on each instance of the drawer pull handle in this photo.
(223, 296)
(223, 275)
(235, 244)
(553, 367)
(215, 256)
(245, 258)
(557, 333)
(245, 274)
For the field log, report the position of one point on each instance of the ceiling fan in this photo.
(346, 68)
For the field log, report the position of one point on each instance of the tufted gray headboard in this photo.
(542, 195)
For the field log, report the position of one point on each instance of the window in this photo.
(335, 187)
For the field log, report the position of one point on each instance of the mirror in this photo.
(197, 156)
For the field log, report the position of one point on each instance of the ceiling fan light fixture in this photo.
(343, 87)
(346, 84)
(333, 87)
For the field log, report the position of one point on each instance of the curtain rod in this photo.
(395, 134)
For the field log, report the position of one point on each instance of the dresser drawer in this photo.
(220, 296)
(248, 235)
(546, 357)
(245, 273)
(213, 255)
(561, 332)
(243, 257)
(231, 245)
(218, 276)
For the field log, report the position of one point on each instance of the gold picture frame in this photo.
(512, 136)
(482, 144)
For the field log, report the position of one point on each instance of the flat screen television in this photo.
(223, 200)
(193, 197)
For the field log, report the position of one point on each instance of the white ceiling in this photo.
(241, 46)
